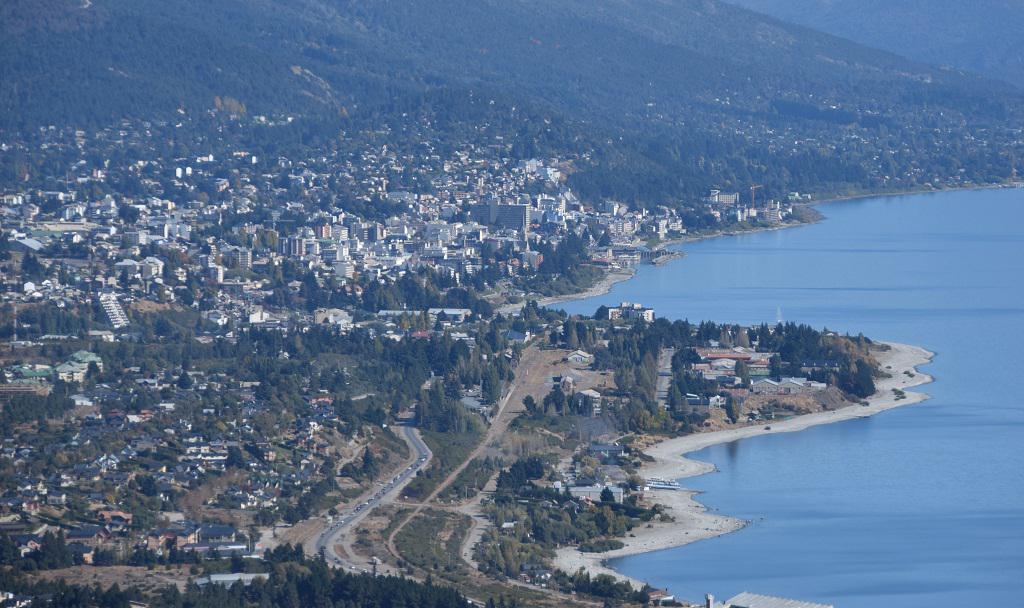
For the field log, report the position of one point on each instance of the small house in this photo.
(579, 357)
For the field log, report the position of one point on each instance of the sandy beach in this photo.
(693, 522)
(609, 280)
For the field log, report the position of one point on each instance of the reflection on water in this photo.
(732, 451)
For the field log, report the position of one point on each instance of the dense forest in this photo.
(294, 581)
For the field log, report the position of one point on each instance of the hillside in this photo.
(684, 93)
(610, 56)
(75, 63)
(982, 35)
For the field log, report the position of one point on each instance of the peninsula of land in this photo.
(691, 520)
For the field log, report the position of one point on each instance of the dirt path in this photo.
(535, 372)
(479, 522)
(532, 378)
(533, 375)
(664, 375)
(501, 422)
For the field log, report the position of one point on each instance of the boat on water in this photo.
(656, 483)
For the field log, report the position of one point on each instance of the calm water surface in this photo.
(918, 507)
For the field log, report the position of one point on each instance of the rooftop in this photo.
(753, 600)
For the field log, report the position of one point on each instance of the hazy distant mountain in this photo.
(980, 35)
(689, 91)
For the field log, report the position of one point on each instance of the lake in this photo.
(920, 506)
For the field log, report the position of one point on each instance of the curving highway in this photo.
(386, 493)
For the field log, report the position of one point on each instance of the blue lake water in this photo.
(920, 506)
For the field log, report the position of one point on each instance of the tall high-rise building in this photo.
(509, 217)
(238, 257)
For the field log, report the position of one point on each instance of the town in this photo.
(453, 303)
(220, 351)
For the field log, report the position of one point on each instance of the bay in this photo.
(920, 506)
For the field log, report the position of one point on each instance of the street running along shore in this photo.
(693, 522)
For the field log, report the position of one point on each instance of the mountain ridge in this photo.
(182, 45)
(684, 93)
(981, 36)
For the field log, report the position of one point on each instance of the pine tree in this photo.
(369, 465)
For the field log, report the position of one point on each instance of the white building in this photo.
(753, 600)
(580, 357)
(333, 316)
(786, 386)
(594, 492)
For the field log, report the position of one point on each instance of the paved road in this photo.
(532, 376)
(389, 489)
(499, 425)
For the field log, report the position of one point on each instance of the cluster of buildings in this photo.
(596, 475)
(727, 206)
(721, 365)
(243, 226)
(123, 463)
(38, 378)
(126, 226)
(110, 535)
(630, 310)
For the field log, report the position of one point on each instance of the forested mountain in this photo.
(641, 58)
(681, 94)
(980, 35)
(65, 61)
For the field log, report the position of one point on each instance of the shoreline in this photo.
(693, 521)
(854, 197)
(621, 275)
(602, 287)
